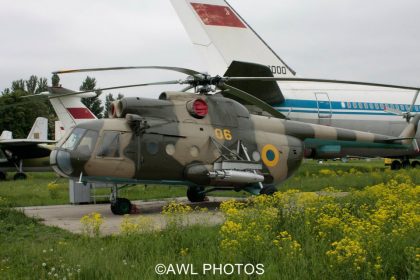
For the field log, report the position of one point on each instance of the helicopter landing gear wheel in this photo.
(3, 176)
(121, 206)
(396, 165)
(415, 164)
(196, 194)
(19, 176)
(268, 190)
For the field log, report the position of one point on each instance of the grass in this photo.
(31, 250)
(354, 174)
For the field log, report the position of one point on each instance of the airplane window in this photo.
(376, 106)
(110, 144)
(87, 144)
(73, 139)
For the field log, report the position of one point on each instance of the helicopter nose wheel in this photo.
(196, 194)
(121, 206)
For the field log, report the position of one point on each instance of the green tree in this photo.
(31, 84)
(18, 114)
(18, 85)
(109, 98)
(93, 103)
(42, 85)
(55, 80)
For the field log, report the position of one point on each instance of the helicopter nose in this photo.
(60, 161)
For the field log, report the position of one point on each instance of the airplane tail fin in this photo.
(222, 36)
(39, 130)
(69, 108)
(6, 135)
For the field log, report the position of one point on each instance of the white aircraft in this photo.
(229, 45)
(15, 151)
(32, 153)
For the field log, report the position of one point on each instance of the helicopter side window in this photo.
(73, 139)
(87, 144)
(110, 144)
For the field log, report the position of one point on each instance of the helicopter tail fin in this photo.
(69, 108)
(222, 36)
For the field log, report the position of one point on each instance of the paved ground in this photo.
(68, 216)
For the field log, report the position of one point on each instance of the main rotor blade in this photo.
(173, 82)
(252, 100)
(176, 69)
(269, 79)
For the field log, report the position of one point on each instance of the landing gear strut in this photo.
(20, 175)
(119, 205)
(196, 194)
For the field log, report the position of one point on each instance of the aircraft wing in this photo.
(24, 142)
(26, 148)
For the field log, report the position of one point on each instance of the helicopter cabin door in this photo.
(324, 108)
(114, 154)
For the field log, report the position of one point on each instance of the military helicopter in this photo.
(204, 140)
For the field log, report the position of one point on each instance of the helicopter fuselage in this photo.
(205, 140)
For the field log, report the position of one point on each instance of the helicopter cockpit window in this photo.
(110, 144)
(87, 143)
(73, 139)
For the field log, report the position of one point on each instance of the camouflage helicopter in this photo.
(204, 140)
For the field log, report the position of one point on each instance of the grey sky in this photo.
(375, 40)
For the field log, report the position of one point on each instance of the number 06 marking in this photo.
(224, 134)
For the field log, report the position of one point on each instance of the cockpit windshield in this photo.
(87, 143)
(73, 139)
(82, 141)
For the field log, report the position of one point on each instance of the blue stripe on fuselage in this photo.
(350, 108)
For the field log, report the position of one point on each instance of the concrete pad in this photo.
(68, 216)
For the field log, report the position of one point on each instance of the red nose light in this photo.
(198, 108)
